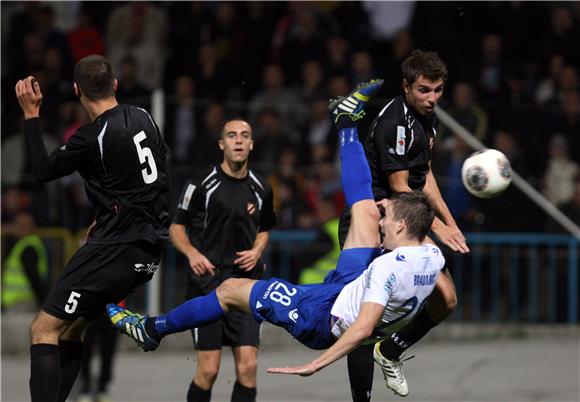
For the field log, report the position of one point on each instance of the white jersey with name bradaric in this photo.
(400, 280)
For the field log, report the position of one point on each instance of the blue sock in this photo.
(355, 174)
(191, 314)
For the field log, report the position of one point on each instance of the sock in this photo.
(344, 122)
(360, 373)
(197, 394)
(44, 372)
(70, 365)
(401, 340)
(191, 314)
(241, 393)
(355, 174)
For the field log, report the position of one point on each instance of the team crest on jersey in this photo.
(251, 208)
(400, 150)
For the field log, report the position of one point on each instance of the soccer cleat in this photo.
(353, 104)
(392, 371)
(132, 325)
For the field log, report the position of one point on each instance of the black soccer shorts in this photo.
(100, 274)
(236, 328)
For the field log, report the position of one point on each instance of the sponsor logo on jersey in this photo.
(251, 208)
(390, 282)
(293, 315)
(400, 257)
(400, 150)
(391, 151)
(424, 279)
(148, 268)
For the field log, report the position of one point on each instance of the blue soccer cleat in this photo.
(132, 325)
(353, 104)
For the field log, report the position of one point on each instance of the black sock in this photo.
(197, 394)
(241, 393)
(360, 373)
(44, 372)
(71, 353)
(401, 340)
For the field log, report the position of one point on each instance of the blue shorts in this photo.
(304, 310)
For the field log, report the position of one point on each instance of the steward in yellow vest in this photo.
(317, 272)
(25, 272)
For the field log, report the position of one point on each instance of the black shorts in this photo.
(100, 274)
(236, 328)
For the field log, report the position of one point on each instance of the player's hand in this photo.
(247, 259)
(452, 237)
(200, 265)
(304, 371)
(29, 97)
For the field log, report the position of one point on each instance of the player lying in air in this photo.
(357, 302)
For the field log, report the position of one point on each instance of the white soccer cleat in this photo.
(392, 371)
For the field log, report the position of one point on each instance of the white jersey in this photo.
(400, 280)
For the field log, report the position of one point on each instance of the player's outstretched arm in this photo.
(361, 329)
(446, 229)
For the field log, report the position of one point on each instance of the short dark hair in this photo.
(229, 119)
(94, 77)
(428, 64)
(415, 209)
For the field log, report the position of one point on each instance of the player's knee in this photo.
(247, 369)
(208, 375)
(366, 211)
(226, 289)
(42, 332)
(75, 331)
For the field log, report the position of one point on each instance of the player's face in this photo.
(236, 141)
(423, 95)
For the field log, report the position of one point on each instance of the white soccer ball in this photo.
(486, 173)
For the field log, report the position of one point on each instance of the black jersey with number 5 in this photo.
(122, 158)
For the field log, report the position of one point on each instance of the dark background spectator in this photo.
(513, 67)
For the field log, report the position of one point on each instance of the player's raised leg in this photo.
(355, 174)
(147, 332)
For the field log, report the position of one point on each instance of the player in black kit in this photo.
(221, 226)
(121, 156)
(398, 147)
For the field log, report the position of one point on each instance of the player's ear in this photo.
(115, 85)
(221, 143)
(400, 226)
(406, 86)
(251, 145)
(76, 90)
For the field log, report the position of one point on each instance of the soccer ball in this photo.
(486, 173)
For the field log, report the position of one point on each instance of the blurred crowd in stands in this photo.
(513, 83)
